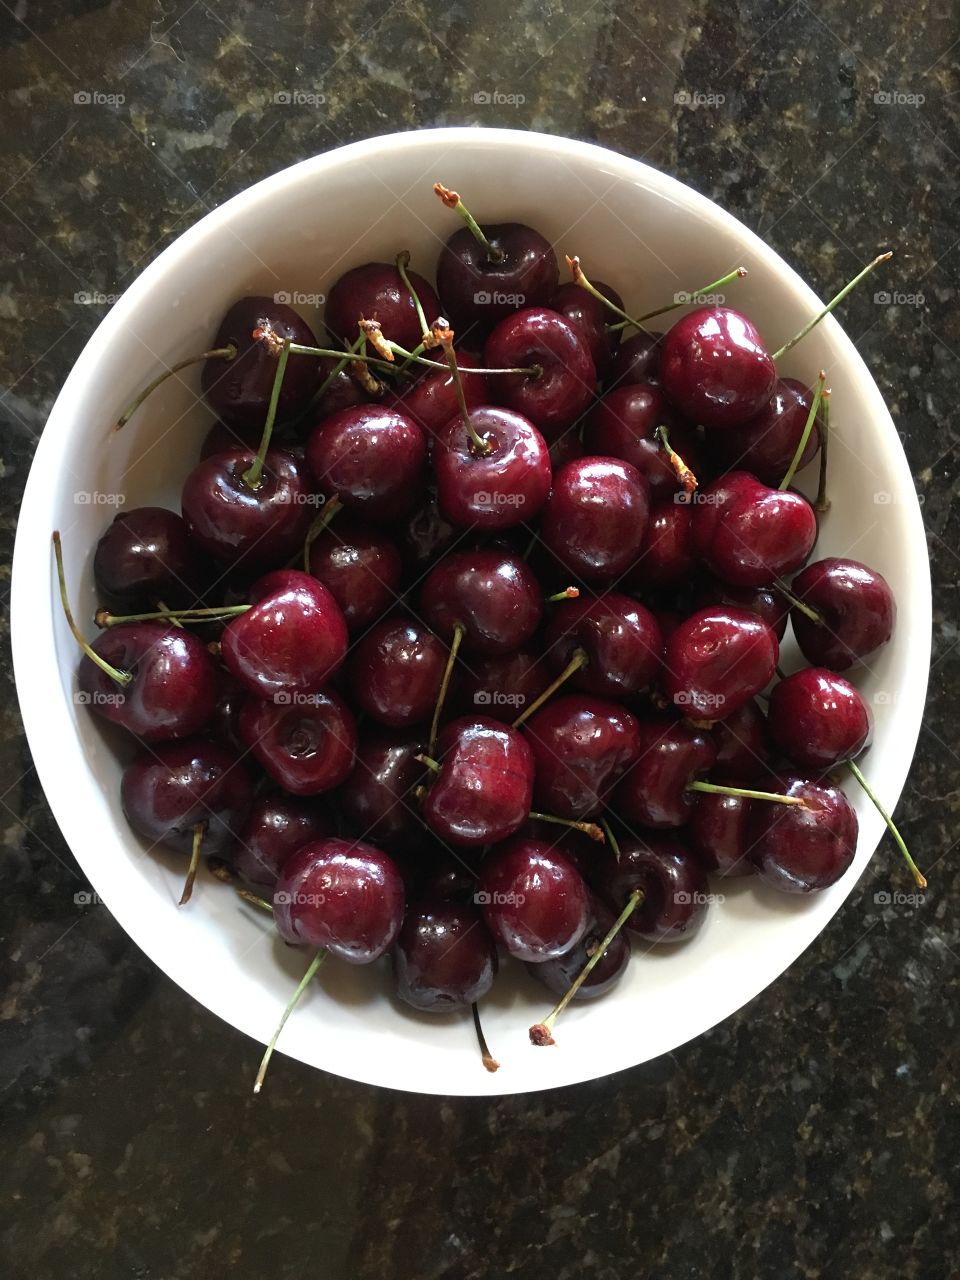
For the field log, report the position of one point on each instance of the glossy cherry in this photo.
(377, 799)
(749, 534)
(554, 397)
(595, 519)
(444, 957)
(766, 602)
(741, 742)
(857, 608)
(666, 556)
(491, 593)
(719, 834)
(360, 566)
(637, 360)
(559, 974)
(716, 660)
(620, 639)
(802, 848)
(581, 745)
(502, 486)
(431, 401)
(622, 425)
(305, 742)
(372, 457)
(670, 755)
(591, 319)
(342, 390)
(715, 368)
(502, 685)
(277, 826)
(395, 671)
(344, 895)
(818, 719)
(145, 555)
(376, 291)
(534, 900)
(672, 881)
(765, 445)
(483, 791)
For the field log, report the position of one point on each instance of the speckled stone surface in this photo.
(813, 1134)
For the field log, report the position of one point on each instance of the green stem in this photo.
(254, 899)
(578, 660)
(294, 1001)
(218, 353)
(106, 619)
(198, 831)
(822, 503)
(919, 878)
(432, 765)
(797, 603)
(122, 678)
(568, 593)
(722, 283)
(452, 200)
(831, 304)
(612, 840)
(253, 476)
(459, 631)
(533, 371)
(403, 261)
(805, 436)
(317, 527)
(587, 828)
(713, 789)
(579, 277)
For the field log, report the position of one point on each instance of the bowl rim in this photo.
(35, 602)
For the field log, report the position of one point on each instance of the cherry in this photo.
(619, 641)
(167, 685)
(670, 755)
(716, 660)
(377, 799)
(715, 368)
(424, 536)
(741, 742)
(637, 360)
(395, 671)
(749, 534)
(856, 606)
(224, 726)
(766, 602)
(144, 556)
(765, 444)
(376, 291)
(804, 847)
(236, 522)
(589, 317)
(818, 719)
(305, 742)
(719, 833)
(581, 747)
(504, 485)
(444, 957)
(622, 425)
(492, 595)
(666, 556)
(222, 438)
(344, 895)
(447, 877)
(501, 686)
(291, 639)
(486, 272)
(361, 568)
(534, 900)
(338, 389)
(558, 974)
(554, 397)
(431, 401)
(239, 390)
(276, 827)
(372, 457)
(595, 518)
(671, 880)
(484, 786)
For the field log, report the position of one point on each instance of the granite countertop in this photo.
(813, 1134)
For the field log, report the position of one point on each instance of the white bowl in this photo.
(296, 232)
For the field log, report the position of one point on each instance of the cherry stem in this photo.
(612, 840)
(580, 278)
(531, 371)
(486, 1057)
(433, 765)
(170, 616)
(686, 298)
(341, 364)
(685, 477)
(403, 261)
(104, 618)
(919, 878)
(253, 476)
(578, 660)
(818, 395)
(254, 899)
(822, 503)
(452, 200)
(122, 678)
(588, 828)
(317, 527)
(194, 867)
(797, 603)
(459, 631)
(568, 593)
(218, 353)
(541, 1032)
(442, 336)
(714, 789)
(294, 1001)
(884, 257)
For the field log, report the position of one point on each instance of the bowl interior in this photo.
(295, 233)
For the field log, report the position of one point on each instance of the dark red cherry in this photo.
(173, 688)
(493, 594)
(766, 602)
(554, 397)
(361, 568)
(581, 746)
(715, 368)
(637, 360)
(343, 391)
(423, 538)
(818, 719)
(276, 828)
(447, 876)
(621, 640)
(396, 670)
(666, 555)
(239, 390)
(503, 487)
(559, 974)
(595, 518)
(802, 848)
(716, 660)
(534, 900)
(237, 524)
(749, 534)
(765, 445)
(673, 884)
(432, 400)
(565, 448)
(144, 556)
(484, 789)
(171, 787)
(305, 742)
(372, 458)
(224, 726)
(670, 755)
(719, 833)
(377, 799)
(741, 742)
(590, 318)
(344, 895)
(478, 288)
(622, 425)
(376, 291)
(857, 608)
(444, 958)
(290, 641)
(502, 685)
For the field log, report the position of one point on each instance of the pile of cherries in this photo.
(459, 645)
